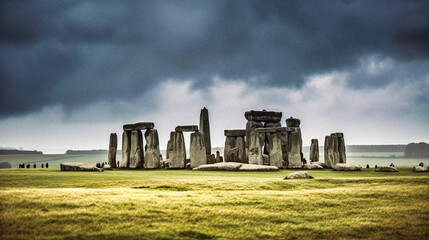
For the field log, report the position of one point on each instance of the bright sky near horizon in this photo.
(72, 72)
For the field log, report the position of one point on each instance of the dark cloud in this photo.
(77, 52)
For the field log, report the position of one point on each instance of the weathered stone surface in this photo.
(187, 128)
(233, 166)
(274, 129)
(263, 116)
(251, 126)
(77, 166)
(314, 150)
(255, 167)
(266, 159)
(222, 166)
(341, 147)
(241, 146)
(420, 169)
(113, 145)
(320, 164)
(386, 169)
(336, 152)
(298, 175)
(276, 150)
(293, 122)
(235, 132)
(126, 148)
(136, 152)
(138, 126)
(230, 143)
(346, 167)
(255, 149)
(212, 159)
(168, 149)
(218, 157)
(294, 150)
(312, 166)
(197, 150)
(153, 155)
(328, 152)
(232, 155)
(178, 151)
(205, 130)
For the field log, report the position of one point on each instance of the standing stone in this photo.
(241, 145)
(218, 157)
(335, 152)
(230, 143)
(136, 152)
(251, 126)
(205, 130)
(152, 158)
(167, 151)
(267, 135)
(294, 149)
(113, 145)
(197, 150)
(255, 149)
(276, 150)
(341, 148)
(314, 150)
(126, 148)
(327, 152)
(178, 150)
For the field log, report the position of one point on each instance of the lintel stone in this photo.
(187, 128)
(235, 132)
(139, 126)
(263, 116)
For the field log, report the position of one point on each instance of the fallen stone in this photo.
(187, 128)
(107, 167)
(420, 169)
(293, 122)
(254, 167)
(263, 116)
(312, 166)
(320, 164)
(138, 126)
(233, 166)
(386, 169)
(299, 175)
(78, 166)
(346, 167)
(235, 132)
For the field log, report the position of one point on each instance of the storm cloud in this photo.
(76, 53)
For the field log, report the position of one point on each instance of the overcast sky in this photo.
(72, 72)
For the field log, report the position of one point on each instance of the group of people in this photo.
(23, 165)
(101, 165)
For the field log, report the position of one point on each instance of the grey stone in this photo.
(294, 159)
(293, 122)
(230, 143)
(168, 149)
(187, 128)
(178, 150)
(153, 155)
(255, 149)
(263, 116)
(138, 126)
(346, 167)
(420, 169)
(222, 166)
(136, 152)
(254, 167)
(299, 175)
(386, 169)
(323, 165)
(113, 145)
(218, 157)
(211, 159)
(312, 166)
(341, 147)
(232, 155)
(250, 127)
(241, 146)
(197, 150)
(107, 167)
(235, 132)
(265, 159)
(314, 150)
(276, 150)
(205, 130)
(78, 166)
(126, 148)
(328, 152)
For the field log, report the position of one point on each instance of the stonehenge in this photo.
(153, 156)
(113, 145)
(334, 149)
(197, 150)
(235, 146)
(205, 130)
(314, 150)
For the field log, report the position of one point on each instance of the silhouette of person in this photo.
(42, 165)
(34, 166)
(47, 165)
(367, 165)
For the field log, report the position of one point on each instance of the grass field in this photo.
(185, 204)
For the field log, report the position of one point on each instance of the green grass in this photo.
(184, 204)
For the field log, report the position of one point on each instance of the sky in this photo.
(72, 72)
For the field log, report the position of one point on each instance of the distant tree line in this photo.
(98, 151)
(375, 148)
(16, 151)
(417, 150)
